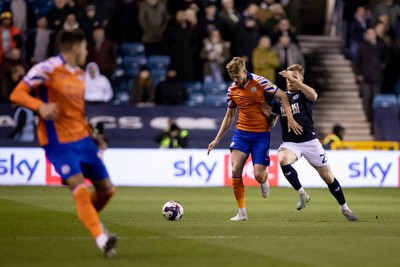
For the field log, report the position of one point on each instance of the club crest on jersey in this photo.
(253, 89)
(296, 96)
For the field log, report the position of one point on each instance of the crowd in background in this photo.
(199, 36)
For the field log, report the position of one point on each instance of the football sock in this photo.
(337, 192)
(100, 199)
(291, 175)
(238, 190)
(86, 212)
(101, 240)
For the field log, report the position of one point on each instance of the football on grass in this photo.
(172, 210)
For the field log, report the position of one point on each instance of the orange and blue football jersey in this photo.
(55, 82)
(248, 100)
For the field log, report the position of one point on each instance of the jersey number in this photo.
(324, 158)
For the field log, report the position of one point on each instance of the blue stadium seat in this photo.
(215, 87)
(195, 99)
(384, 101)
(133, 64)
(158, 62)
(132, 49)
(158, 75)
(192, 87)
(216, 100)
(121, 98)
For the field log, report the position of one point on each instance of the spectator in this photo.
(267, 10)
(124, 25)
(71, 22)
(288, 54)
(143, 89)
(389, 8)
(9, 81)
(57, 15)
(10, 44)
(24, 129)
(265, 60)
(180, 42)
(173, 136)
(269, 27)
(229, 19)
(22, 13)
(335, 137)
(215, 52)
(358, 27)
(284, 28)
(39, 44)
(371, 59)
(90, 21)
(249, 33)
(209, 22)
(102, 51)
(97, 87)
(170, 91)
(153, 18)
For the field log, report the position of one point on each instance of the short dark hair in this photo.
(67, 38)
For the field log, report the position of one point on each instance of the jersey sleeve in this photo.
(230, 102)
(36, 76)
(267, 86)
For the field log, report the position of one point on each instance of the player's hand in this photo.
(265, 109)
(100, 141)
(49, 111)
(295, 127)
(287, 75)
(211, 146)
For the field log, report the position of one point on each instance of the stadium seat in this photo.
(158, 62)
(215, 87)
(133, 64)
(132, 49)
(216, 100)
(158, 75)
(195, 99)
(194, 87)
(384, 101)
(121, 98)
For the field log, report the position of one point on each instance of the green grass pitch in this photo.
(38, 227)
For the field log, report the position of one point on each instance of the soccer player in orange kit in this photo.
(64, 133)
(252, 134)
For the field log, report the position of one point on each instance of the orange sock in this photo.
(238, 190)
(100, 199)
(86, 211)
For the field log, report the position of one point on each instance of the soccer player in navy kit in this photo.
(301, 98)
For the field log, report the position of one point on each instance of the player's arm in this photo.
(308, 91)
(225, 125)
(21, 96)
(292, 124)
(271, 117)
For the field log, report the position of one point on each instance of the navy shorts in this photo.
(256, 144)
(81, 156)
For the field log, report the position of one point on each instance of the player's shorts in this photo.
(312, 151)
(256, 144)
(81, 156)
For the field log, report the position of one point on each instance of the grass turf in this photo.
(38, 227)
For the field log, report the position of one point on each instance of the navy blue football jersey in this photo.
(302, 113)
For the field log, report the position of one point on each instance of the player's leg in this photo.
(336, 190)
(260, 157)
(102, 193)
(286, 158)
(315, 154)
(88, 214)
(238, 159)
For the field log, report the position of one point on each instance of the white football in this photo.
(172, 210)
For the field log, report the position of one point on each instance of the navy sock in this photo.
(291, 175)
(337, 192)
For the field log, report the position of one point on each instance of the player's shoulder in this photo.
(231, 86)
(48, 65)
(261, 80)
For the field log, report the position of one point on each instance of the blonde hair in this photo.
(236, 65)
(297, 67)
